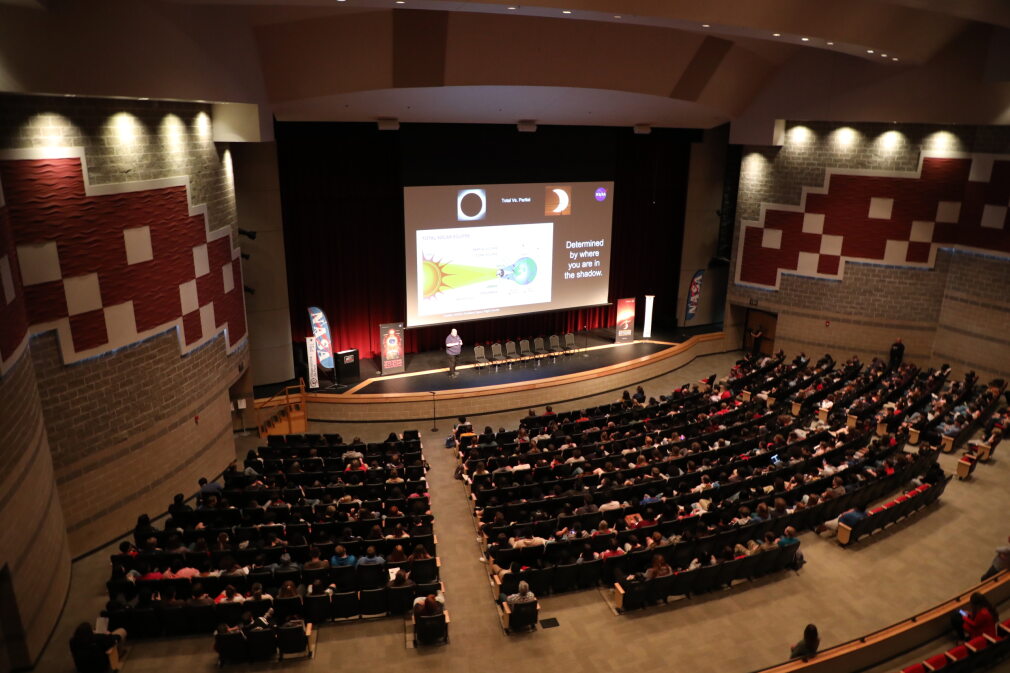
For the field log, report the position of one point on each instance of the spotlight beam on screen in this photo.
(488, 251)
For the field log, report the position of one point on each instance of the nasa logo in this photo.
(601, 194)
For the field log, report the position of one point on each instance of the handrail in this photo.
(934, 619)
(286, 406)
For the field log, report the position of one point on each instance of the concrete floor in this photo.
(846, 592)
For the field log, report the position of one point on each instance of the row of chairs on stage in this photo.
(552, 348)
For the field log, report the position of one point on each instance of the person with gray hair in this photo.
(523, 595)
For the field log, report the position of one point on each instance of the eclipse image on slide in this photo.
(480, 268)
(558, 200)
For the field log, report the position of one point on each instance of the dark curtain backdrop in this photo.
(342, 200)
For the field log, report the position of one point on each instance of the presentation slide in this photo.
(489, 251)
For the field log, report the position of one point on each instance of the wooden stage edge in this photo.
(392, 407)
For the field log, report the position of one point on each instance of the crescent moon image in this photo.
(562, 200)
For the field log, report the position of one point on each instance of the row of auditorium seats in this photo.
(346, 578)
(974, 655)
(634, 594)
(175, 620)
(892, 511)
(236, 647)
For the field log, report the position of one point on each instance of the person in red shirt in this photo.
(612, 550)
(979, 619)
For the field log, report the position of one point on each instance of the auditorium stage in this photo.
(430, 392)
(470, 376)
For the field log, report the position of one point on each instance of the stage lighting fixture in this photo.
(248, 233)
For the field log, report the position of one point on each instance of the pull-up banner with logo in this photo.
(391, 347)
(625, 320)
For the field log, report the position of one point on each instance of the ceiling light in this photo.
(883, 56)
(804, 39)
(776, 34)
(513, 8)
(401, 2)
(894, 58)
(831, 44)
(705, 25)
(566, 11)
(143, 98)
(617, 16)
(869, 51)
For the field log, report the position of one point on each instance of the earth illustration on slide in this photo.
(439, 276)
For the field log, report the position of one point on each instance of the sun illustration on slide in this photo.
(438, 276)
(434, 276)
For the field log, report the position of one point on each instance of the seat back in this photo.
(423, 571)
(478, 353)
(538, 344)
(372, 602)
(524, 347)
(400, 599)
(371, 576)
(496, 351)
(344, 605)
(261, 644)
(285, 607)
(430, 629)
(317, 608)
(524, 615)
(510, 349)
(292, 639)
(230, 647)
(570, 341)
(555, 342)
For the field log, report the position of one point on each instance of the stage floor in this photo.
(468, 376)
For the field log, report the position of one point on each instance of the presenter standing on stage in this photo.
(452, 347)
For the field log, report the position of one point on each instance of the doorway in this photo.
(762, 323)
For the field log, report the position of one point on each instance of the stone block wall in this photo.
(87, 445)
(953, 311)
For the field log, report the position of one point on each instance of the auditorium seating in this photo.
(293, 498)
(542, 502)
(235, 647)
(973, 655)
(892, 511)
(636, 594)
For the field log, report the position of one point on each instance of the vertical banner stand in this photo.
(647, 327)
(310, 357)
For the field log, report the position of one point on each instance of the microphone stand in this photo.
(434, 425)
(585, 342)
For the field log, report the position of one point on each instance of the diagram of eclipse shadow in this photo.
(476, 268)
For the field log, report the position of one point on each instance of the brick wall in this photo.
(33, 539)
(122, 427)
(953, 312)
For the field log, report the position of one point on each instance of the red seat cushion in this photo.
(901, 498)
(936, 662)
(915, 668)
(977, 643)
(876, 510)
(958, 653)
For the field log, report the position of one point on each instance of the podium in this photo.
(348, 366)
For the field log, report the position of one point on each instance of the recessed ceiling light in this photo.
(341, 0)
(143, 98)
(705, 25)
(566, 11)
(894, 58)
(617, 16)
(401, 2)
(513, 8)
(869, 51)
(776, 34)
(831, 44)
(883, 56)
(804, 39)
